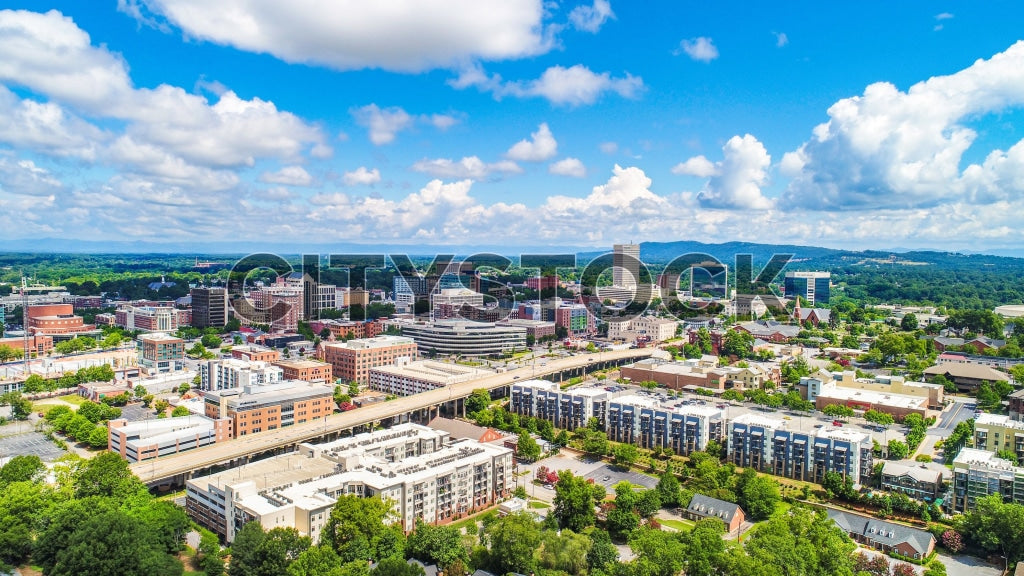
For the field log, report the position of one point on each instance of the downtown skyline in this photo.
(516, 123)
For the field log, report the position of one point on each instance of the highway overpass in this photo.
(177, 468)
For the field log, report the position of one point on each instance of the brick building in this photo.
(305, 370)
(352, 360)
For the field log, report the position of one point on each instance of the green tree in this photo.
(107, 475)
(1007, 454)
(396, 566)
(898, 450)
(658, 553)
(574, 502)
(180, 411)
(20, 407)
(908, 323)
(880, 418)
(514, 539)
(648, 503)
(801, 542)
(705, 548)
(668, 487)
(838, 411)
(477, 401)
(210, 341)
(621, 523)
(22, 468)
(737, 343)
(441, 545)
(997, 526)
(245, 550)
(595, 442)
(527, 448)
(759, 497)
(360, 528)
(625, 454)
(564, 552)
(321, 561)
(704, 341)
(208, 554)
(602, 552)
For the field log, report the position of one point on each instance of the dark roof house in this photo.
(702, 506)
(884, 536)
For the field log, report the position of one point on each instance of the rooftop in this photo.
(1000, 420)
(973, 457)
(432, 371)
(919, 473)
(751, 419)
(871, 397)
(370, 343)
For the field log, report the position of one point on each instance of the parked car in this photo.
(837, 423)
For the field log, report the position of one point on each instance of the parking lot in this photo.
(135, 412)
(608, 476)
(28, 444)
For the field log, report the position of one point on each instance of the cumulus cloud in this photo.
(540, 147)
(441, 121)
(361, 177)
(574, 86)
(701, 49)
(893, 149)
(399, 35)
(23, 177)
(568, 167)
(735, 182)
(470, 167)
(591, 18)
(382, 125)
(697, 166)
(289, 176)
(781, 39)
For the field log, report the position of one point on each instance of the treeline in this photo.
(968, 288)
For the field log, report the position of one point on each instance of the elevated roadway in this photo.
(179, 467)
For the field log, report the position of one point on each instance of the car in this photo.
(818, 425)
(549, 486)
(515, 377)
(837, 423)
(605, 478)
(787, 418)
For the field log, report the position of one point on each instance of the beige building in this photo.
(884, 385)
(406, 377)
(351, 361)
(995, 432)
(422, 472)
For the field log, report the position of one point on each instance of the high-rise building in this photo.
(352, 360)
(626, 263)
(979, 473)
(811, 286)
(161, 353)
(209, 307)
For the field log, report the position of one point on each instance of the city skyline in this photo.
(528, 124)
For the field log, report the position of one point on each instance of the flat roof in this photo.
(759, 420)
(998, 420)
(370, 343)
(872, 397)
(298, 363)
(432, 371)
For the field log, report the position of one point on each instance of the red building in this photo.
(56, 320)
(542, 282)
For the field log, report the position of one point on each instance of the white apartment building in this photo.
(236, 373)
(422, 472)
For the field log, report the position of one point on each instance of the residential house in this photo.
(919, 482)
(702, 507)
(885, 536)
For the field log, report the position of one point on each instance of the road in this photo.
(961, 409)
(171, 466)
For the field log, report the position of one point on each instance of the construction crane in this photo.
(24, 324)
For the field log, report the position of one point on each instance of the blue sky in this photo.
(867, 125)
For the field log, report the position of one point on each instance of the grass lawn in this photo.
(472, 520)
(681, 525)
(72, 399)
(538, 504)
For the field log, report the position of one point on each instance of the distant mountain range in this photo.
(650, 252)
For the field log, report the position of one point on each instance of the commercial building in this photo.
(422, 472)
(449, 302)
(406, 377)
(841, 385)
(160, 353)
(576, 319)
(345, 329)
(35, 294)
(920, 481)
(305, 370)
(884, 536)
(465, 338)
(967, 377)
(542, 283)
(209, 307)
(979, 473)
(232, 373)
(351, 361)
(626, 265)
(37, 344)
(151, 318)
(148, 439)
(257, 408)
(898, 405)
(679, 375)
(814, 287)
(255, 353)
(58, 321)
(767, 444)
(995, 432)
(538, 329)
(278, 305)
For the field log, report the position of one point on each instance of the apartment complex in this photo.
(814, 287)
(151, 318)
(647, 328)
(257, 408)
(148, 439)
(979, 473)
(406, 377)
(422, 472)
(465, 338)
(768, 445)
(642, 420)
(995, 432)
(449, 302)
(345, 329)
(351, 361)
(254, 353)
(161, 353)
(920, 481)
(305, 370)
(209, 307)
(234, 373)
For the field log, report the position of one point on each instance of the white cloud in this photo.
(701, 49)
(470, 167)
(398, 35)
(735, 182)
(568, 167)
(943, 16)
(574, 86)
(289, 176)
(609, 147)
(361, 177)
(540, 147)
(384, 124)
(591, 18)
(781, 39)
(893, 149)
(23, 177)
(697, 166)
(442, 121)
